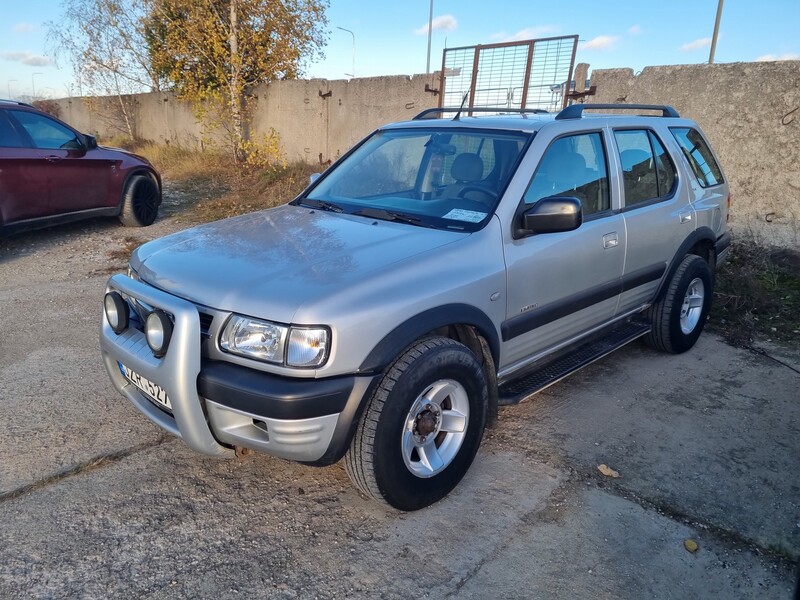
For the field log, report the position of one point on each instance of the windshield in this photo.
(449, 179)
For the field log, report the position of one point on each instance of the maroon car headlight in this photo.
(117, 311)
(158, 332)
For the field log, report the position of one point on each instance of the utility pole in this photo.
(430, 33)
(716, 33)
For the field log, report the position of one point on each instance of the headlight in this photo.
(132, 273)
(271, 342)
(255, 339)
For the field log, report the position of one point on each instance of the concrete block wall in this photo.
(751, 114)
(319, 120)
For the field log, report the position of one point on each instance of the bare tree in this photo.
(105, 42)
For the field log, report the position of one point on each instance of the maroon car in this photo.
(50, 173)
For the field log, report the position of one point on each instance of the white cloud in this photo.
(696, 45)
(529, 33)
(28, 58)
(440, 23)
(601, 42)
(24, 27)
(635, 30)
(771, 57)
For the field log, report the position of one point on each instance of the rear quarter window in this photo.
(699, 156)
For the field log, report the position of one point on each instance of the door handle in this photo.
(610, 240)
(52, 158)
(685, 217)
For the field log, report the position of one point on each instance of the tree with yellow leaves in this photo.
(212, 51)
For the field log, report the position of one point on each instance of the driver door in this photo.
(561, 285)
(77, 179)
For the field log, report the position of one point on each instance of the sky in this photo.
(390, 37)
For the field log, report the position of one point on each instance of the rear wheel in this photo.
(678, 319)
(140, 202)
(422, 426)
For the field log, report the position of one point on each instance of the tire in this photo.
(678, 319)
(431, 403)
(140, 202)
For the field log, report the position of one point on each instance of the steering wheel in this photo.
(477, 188)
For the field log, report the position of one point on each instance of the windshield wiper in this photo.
(388, 215)
(321, 204)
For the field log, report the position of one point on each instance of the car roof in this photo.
(17, 104)
(531, 122)
(524, 122)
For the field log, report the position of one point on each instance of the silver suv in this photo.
(442, 267)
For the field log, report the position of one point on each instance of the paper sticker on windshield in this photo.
(470, 216)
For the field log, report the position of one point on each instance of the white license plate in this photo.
(153, 391)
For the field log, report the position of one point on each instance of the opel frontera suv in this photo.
(442, 267)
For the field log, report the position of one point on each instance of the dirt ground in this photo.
(96, 502)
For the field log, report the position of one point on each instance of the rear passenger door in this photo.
(658, 217)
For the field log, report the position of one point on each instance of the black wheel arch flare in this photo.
(405, 334)
(698, 238)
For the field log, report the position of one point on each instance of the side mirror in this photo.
(313, 177)
(90, 141)
(552, 215)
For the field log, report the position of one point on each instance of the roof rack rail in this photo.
(425, 114)
(575, 111)
(17, 102)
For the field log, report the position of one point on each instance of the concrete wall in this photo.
(751, 114)
(317, 119)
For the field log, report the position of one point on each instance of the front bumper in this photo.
(217, 405)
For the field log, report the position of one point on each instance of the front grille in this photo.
(205, 324)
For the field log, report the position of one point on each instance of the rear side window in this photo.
(647, 170)
(697, 152)
(9, 138)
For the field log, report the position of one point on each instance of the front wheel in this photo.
(422, 426)
(140, 202)
(678, 319)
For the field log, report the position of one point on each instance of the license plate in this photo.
(153, 391)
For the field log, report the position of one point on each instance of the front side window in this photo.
(648, 172)
(443, 178)
(45, 132)
(699, 156)
(573, 166)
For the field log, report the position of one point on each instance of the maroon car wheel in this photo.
(139, 202)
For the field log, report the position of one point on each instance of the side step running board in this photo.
(517, 390)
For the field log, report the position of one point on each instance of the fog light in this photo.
(158, 331)
(117, 311)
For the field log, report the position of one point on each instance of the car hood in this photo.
(268, 264)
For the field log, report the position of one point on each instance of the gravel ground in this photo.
(96, 502)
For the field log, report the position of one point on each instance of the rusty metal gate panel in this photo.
(527, 74)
